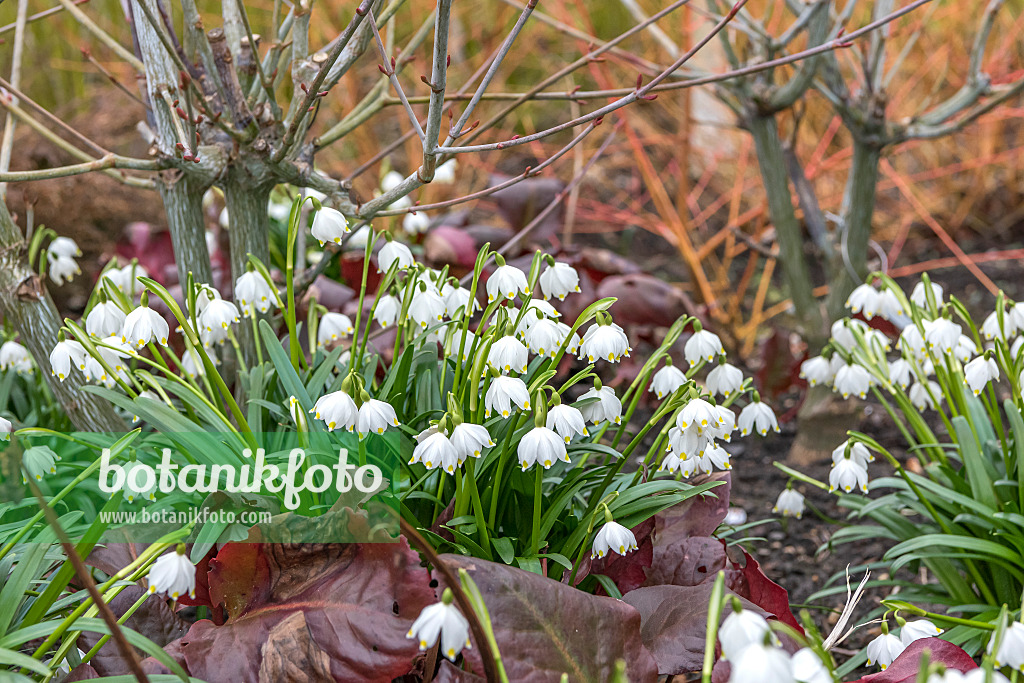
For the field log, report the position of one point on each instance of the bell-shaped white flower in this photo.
(534, 311)
(890, 307)
(698, 414)
(606, 407)
(608, 342)
(757, 417)
(671, 462)
(1011, 647)
(1015, 315)
(847, 475)
(690, 442)
(387, 311)
(965, 349)
(445, 173)
(333, 327)
(192, 363)
(436, 451)
(38, 461)
(63, 247)
(919, 295)
(726, 425)
(460, 343)
(612, 537)
(808, 667)
(900, 373)
(923, 396)
(144, 325)
(760, 663)
(5, 429)
(126, 279)
(253, 293)
(374, 417)
(842, 332)
(911, 343)
(979, 372)
(427, 307)
(852, 379)
(503, 392)
(469, 440)
(104, 319)
(918, 629)
(62, 268)
(139, 482)
(65, 355)
(558, 280)
(329, 225)
(545, 337)
(505, 282)
(173, 574)
(667, 380)
(855, 451)
(724, 380)
(112, 352)
(566, 421)
(216, 320)
(817, 370)
(941, 334)
(295, 410)
(713, 458)
(865, 299)
(16, 358)
(789, 504)
(702, 345)
(456, 298)
(337, 410)
(392, 252)
(883, 650)
(741, 629)
(541, 446)
(441, 619)
(416, 223)
(508, 354)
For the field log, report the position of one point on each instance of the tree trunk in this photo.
(26, 304)
(183, 203)
(249, 233)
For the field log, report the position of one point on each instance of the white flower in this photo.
(436, 451)
(131, 480)
(391, 252)
(724, 380)
(699, 414)
(357, 241)
(64, 356)
(990, 328)
(336, 409)
(503, 392)
(604, 341)
(846, 475)
(63, 268)
(606, 407)
(900, 373)
(374, 417)
(790, 504)
(841, 334)
(460, 343)
(545, 337)
(254, 293)
(329, 225)
(298, 417)
(534, 311)
(558, 280)
(126, 279)
(865, 299)
(921, 395)
(39, 461)
(505, 282)
(144, 325)
(889, 306)
(884, 649)
(702, 345)
(817, 370)
(1016, 317)
(713, 457)
(469, 440)
(757, 417)
(332, 327)
(456, 297)
(919, 295)
(965, 349)
(727, 424)
(856, 451)
(759, 663)
(973, 676)
(911, 342)
(105, 319)
(612, 537)
(5, 429)
(918, 629)
(416, 223)
(445, 173)
(808, 667)
(667, 380)
(387, 310)
(63, 247)
(979, 372)
(14, 356)
(216, 319)
(173, 574)
(192, 364)
(1011, 647)
(671, 462)
(740, 630)
(566, 421)
(541, 446)
(427, 307)
(852, 379)
(690, 442)
(441, 619)
(204, 295)
(508, 354)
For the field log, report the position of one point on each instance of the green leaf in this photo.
(978, 474)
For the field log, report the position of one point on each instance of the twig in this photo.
(438, 83)
(389, 70)
(38, 15)
(259, 62)
(111, 77)
(108, 161)
(101, 35)
(19, 46)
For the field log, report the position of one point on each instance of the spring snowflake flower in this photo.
(700, 415)
(63, 247)
(535, 311)
(105, 319)
(566, 421)
(254, 293)
(137, 485)
(416, 223)
(39, 461)
(298, 417)
(505, 282)
(757, 417)
(5, 429)
(883, 650)
(1015, 315)
(965, 349)
(126, 279)
(469, 440)
(921, 395)
(702, 345)
(900, 373)
(740, 630)
(445, 173)
(545, 337)
(436, 451)
(865, 299)
(113, 354)
(508, 354)
(460, 343)
(714, 457)
(759, 663)
(606, 407)
(919, 295)
(727, 424)
(336, 409)
(856, 451)
(387, 310)
(671, 462)
(852, 379)
(216, 320)
(604, 341)
(789, 504)
(724, 380)
(889, 306)
(455, 298)
(911, 343)
(332, 327)
(918, 629)
(374, 417)
(427, 307)
(690, 442)
(846, 475)
(1011, 647)
(990, 328)
(558, 280)
(817, 370)
(329, 225)
(173, 574)
(503, 392)
(391, 252)
(667, 380)
(612, 537)
(808, 667)
(144, 325)
(979, 372)
(541, 446)
(842, 335)
(65, 355)
(62, 268)
(441, 619)
(192, 364)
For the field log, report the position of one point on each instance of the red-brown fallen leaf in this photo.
(445, 245)
(904, 668)
(642, 300)
(627, 572)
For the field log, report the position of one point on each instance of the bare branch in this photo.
(37, 16)
(437, 84)
(389, 70)
(101, 35)
(19, 45)
(108, 161)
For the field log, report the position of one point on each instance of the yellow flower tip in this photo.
(504, 413)
(526, 405)
(547, 464)
(337, 240)
(152, 588)
(451, 652)
(428, 463)
(380, 430)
